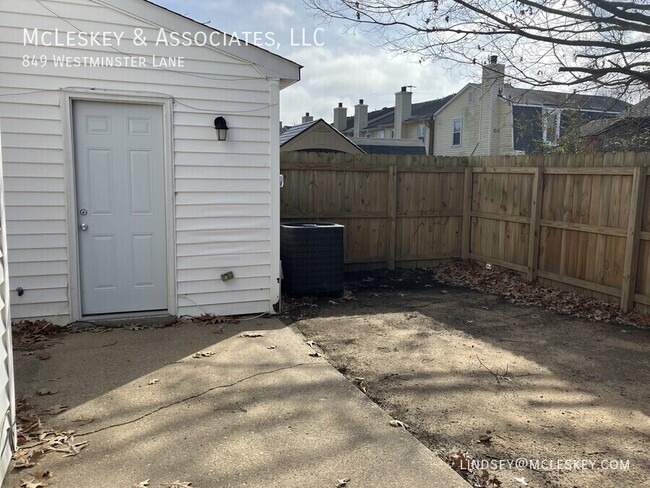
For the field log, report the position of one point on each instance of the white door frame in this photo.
(68, 96)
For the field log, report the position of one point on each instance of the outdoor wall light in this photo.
(221, 127)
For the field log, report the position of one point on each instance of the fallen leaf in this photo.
(76, 448)
(43, 355)
(46, 391)
(484, 439)
(272, 347)
(343, 483)
(142, 484)
(361, 384)
(42, 475)
(315, 354)
(153, 381)
(134, 327)
(33, 483)
(251, 335)
(27, 458)
(204, 354)
(180, 484)
(311, 343)
(521, 480)
(398, 423)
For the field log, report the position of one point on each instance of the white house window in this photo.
(458, 129)
(381, 134)
(551, 126)
(421, 131)
(471, 96)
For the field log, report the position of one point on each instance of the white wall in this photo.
(222, 190)
(7, 396)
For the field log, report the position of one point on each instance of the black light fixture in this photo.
(221, 127)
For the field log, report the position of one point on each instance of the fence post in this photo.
(392, 216)
(535, 218)
(633, 242)
(467, 210)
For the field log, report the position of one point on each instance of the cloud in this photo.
(275, 14)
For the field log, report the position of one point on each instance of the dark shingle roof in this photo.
(296, 130)
(419, 111)
(390, 146)
(566, 100)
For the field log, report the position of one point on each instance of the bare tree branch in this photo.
(581, 43)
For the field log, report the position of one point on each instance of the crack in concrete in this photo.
(191, 397)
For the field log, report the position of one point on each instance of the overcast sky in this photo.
(346, 68)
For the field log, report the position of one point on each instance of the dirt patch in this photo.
(477, 377)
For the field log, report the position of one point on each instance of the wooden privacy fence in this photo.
(586, 226)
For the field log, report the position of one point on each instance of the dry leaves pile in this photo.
(206, 319)
(517, 290)
(461, 462)
(29, 335)
(35, 440)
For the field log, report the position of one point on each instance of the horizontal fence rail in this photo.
(582, 221)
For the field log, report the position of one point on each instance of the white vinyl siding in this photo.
(223, 213)
(7, 396)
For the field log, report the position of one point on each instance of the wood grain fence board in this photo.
(608, 290)
(607, 171)
(504, 264)
(633, 240)
(391, 202)
(467, 209)
(536, 213)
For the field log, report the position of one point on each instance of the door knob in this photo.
(83, 227)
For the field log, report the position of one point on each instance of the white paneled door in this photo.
(120, 179)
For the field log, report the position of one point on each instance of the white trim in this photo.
(274, 114)
(8, 424)
(166, 103)
(460, 133)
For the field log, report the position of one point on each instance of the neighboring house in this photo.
(120, 198)
(390, 146)
(630, 131)
(406, 121)
(495, 118)
(316, 136)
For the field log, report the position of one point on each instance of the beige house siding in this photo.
(487, 126)
(321, 137)
(458, 108)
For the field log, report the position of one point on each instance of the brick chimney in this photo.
(493, 78)
(360, 118)
(402, 110)
(340, 117)
(307, 118)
